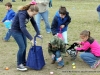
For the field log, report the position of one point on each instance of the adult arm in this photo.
(35, 25)
(22, 18)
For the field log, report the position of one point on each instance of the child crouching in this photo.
(55, 48)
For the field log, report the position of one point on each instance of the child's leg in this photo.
(65, 37)
(89, 58)
(8, 34)
(58, 55)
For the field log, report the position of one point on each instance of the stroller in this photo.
(72, 52)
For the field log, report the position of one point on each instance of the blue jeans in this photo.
(57, 55)
(20, 39)
(44, 15)
(8, 34)
(89, 58)
(99, 16)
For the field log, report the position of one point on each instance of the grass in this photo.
(84, 16)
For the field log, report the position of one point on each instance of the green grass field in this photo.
(84, 16)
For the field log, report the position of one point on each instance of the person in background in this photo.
(50, 3)
(23, 0)
(19, 31)
(1, 0)
(9, 16)
(98, 10)
(91, 48)
(60, 23)
(13, 1)
(43, 12)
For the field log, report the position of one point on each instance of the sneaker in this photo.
(96, 64)
(21, 67)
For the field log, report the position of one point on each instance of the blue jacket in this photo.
(98, 8)
(58, 21)
(19, 24)
(9, 15)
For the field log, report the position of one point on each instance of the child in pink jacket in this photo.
(92, 49)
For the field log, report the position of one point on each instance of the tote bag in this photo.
(8, 24)
(35, 59)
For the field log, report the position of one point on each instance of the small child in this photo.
(92, 49)
(60, 23)
(9, 16)
(56, 46)
(98, 10)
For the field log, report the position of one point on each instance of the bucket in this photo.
(7, 24)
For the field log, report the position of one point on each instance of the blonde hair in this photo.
(29, 6)
(85, 33)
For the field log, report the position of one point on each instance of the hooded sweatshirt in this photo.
(20, 21)
(9, 15)
(58, 43)
(58, 21)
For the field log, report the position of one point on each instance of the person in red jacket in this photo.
(92, 49)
